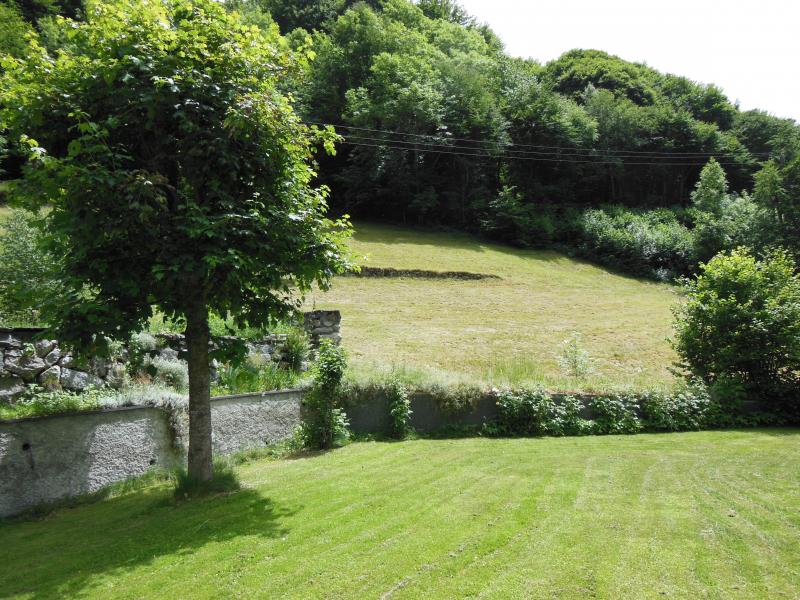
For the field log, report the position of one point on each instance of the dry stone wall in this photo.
(26, 359)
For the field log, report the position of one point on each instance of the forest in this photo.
(647, 172)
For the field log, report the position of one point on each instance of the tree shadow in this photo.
(62, 554)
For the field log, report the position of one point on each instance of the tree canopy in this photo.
(176, 173)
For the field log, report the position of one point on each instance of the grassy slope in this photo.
(710, 514)
(507, 331)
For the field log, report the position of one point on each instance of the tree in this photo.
(741, 322)
(177, 176)
(711, 189)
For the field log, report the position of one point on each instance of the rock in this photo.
(44, 347)
(78, 380)
(27, 367)
(2, 365)
(117, 375)
(51, 378)
(67, 361)
(168, 354)
(98, 366)
(52, 357)
(11, 388)
(7, 340)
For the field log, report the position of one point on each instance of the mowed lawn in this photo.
(692, 515)
(506, 331)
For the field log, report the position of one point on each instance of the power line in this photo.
(568, 148)
(509, 153)
(529, 158)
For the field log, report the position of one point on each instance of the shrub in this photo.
(171, 372)
(740, 324)
(27, 271)
(324, 422)
(296, 349)
(651, 243)
(399, 408)
(534, 412)
(615, 413)
(36, 402)
(141, 347)
(574, 359)
(254, 375)
(689, 409)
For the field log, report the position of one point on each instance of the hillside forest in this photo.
(647, 172)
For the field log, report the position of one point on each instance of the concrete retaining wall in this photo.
(52, 458)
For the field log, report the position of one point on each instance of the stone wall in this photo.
(51, 458)
(25, 359)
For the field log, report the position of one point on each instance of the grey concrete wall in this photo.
(369, 413)
(51, 458)
(254, 420)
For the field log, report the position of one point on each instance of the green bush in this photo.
(170, 372)
(399, 408)
(534, 412)
(615, 413)
(296, 349)
(254, 375)
(27, 271)
(324, 422)
(36, 402)
(652, 243)
(740, 326)
(689, 409)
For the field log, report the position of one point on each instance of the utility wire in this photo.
(568, 148)
(389, 146)
(510, 153)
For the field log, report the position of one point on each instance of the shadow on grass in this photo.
(62, 554)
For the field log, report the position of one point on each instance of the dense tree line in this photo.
(441, 126)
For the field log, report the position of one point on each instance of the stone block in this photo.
(78, 380)
(52, 357)
(27, 367)
(117, 375)
(9, 340)
(44, 347)
(51, 378)
(11, 388)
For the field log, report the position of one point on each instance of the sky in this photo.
(749, 49)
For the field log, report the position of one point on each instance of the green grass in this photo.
(500, 332)
(692, 515)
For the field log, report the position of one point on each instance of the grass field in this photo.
(693, 515)
(506, 331)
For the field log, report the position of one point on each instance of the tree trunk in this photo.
(197, 340)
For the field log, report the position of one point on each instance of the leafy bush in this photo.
(740, 325)
(689, 409)
(296, 349)
(535, 412)
(652, 243)
(254, 375)
(574, 359)
(399, 408)
(324, 422)
(615, 413)
(738, 221)
(171, 372)
(36, 402)
(27, 271)
(141, 348)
